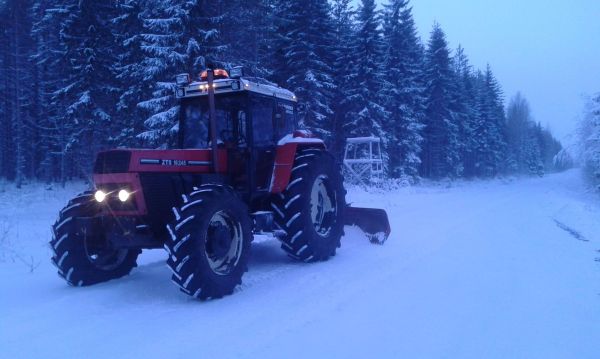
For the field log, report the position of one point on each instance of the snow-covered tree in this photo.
(180, 37)
(589, 134)
(403, 88)
(127, 27)
(367, 115)
(18, 73)
(464, 106)
(89, 92)
(343, 74)
(440, 156)
(490, 126)
(306, 48)
(518, 118)
(531, 148)
(248, 29)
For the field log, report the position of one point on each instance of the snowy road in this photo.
(480, 270)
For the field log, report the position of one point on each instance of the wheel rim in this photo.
(323, 206)
(103, 256)
(224, 243)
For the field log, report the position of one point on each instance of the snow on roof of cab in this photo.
(263, 87)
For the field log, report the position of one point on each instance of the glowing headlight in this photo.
(100, 196)
(123, 195)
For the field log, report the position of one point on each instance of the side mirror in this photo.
(236, 72)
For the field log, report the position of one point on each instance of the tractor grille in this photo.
(112, 162)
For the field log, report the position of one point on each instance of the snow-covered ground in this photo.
(500, 269)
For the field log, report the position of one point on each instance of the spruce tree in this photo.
(464, 107)
(440, 156)
(19, 138)
(367, 115)
(491, 127)
(403, 88)
(89, 92)
(248, 30)
(307, 58)
(127, 27)
(343, 74)
(589, 139)
(180, 37)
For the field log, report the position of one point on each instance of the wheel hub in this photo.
(101, 254)
(219, 240)
(323, 206)
(224, 241)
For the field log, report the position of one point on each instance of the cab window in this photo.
(262, 120)
(284, 119)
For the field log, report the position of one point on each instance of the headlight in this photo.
(100, 196)
(124, 195)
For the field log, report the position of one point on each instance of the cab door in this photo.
(262, 111)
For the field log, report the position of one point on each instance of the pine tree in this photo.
(180, 37)
(4, 90)
(490, 128)
(248, 30)
(127, 27)
(57, 132)
(440, 156)
(343, 74)
(88, 96)
(464, 106)
(518, 118)
(306, 50)
(589, 138)
(19, 139)
(403, 88)
(367, 115)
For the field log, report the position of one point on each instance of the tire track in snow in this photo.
(574, 233)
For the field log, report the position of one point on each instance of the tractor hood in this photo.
(167, 161)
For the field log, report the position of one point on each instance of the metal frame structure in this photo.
(363, 162)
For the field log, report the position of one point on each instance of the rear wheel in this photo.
(210, 242)
(86, 258)
(310, 210)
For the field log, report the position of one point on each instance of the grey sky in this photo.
(547, 49)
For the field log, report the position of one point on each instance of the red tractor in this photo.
(241, 168)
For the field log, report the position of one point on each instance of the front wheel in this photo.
(210, 242)
(84, 258)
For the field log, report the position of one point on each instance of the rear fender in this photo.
(284, 159)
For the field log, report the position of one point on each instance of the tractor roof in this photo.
(229, 85)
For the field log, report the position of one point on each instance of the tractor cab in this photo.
(251, 116)
(249, 112)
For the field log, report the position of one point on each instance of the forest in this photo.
(80, 76)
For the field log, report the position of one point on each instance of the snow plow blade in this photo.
(373, 221)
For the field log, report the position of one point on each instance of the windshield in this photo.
(230, 119)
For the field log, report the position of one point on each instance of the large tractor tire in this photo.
(210, 242)
(310, 210)
(84, 258)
